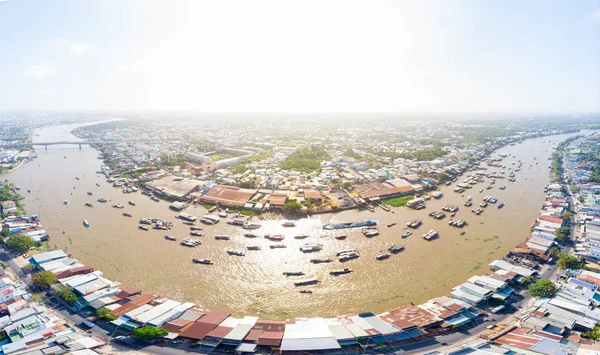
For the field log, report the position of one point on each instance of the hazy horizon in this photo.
(268, 57)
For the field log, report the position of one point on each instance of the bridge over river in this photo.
(46, 144)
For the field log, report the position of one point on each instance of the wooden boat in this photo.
(341, 237)
(203, 261)
(170, 237)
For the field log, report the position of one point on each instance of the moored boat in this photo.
(142, 227)
(382, 256)
(340, 272)
(170, 237)
(367, 223)
(236, 252)
(311, 281)
(88, 204)
(202, 261)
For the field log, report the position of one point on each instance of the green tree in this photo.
(542, 288)
(593, 335)
(347, 184)
(66, 294)
(292, 206)
(566, 215)
(149, 333)
(20, 243)
(306, 159)
(563, 233)
(44, 279)
(553, 251)
(526, 281)
(568, 261)
(36, 297)
(104, 313)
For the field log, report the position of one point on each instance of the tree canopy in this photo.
(563, 233)
(66, 294)
(306, 159)
(149, 332)
(542, 288)
(44, 279)
(568, 261)
(20, 243)
(292, 206)
(104, 313)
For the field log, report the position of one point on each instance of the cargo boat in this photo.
(203, 261)
(311, 281)
(382, 256)
(340, 272)
(430, 235)
(414, 223)
(367, 223)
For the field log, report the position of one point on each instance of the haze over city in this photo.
(527, 56)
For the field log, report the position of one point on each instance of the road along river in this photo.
(254, 284)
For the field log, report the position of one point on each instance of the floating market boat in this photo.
(367, 223)
(202, 261)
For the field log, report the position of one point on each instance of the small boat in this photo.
(102, 200)
(340, 272)
(382, 256)
(391, 225)
(222, 237)
(189, 223)
(90, 193)
(289, 224)
(190, 242)
(406, 234)
(348, 256)
(131, 203)
(301, 236)
(223, 214)
(304, 282)
(196, 234)
(66, 202)
(154, 198)
(462, 233)
(202, 261)
(250, 235)
(118, 205)
(395, 249)
(97, 184)
(142, 227)
(126, 214)
(76, 178)
(236, 252)
(86, 223)
(277, 246)
(89, 204)
(276, 238)
(29, 191)
(501, 204)
(341, 237)
(253, 247)
(195, 228)
(321, 261)
(293, 273)
(305, 291)
(170, 237)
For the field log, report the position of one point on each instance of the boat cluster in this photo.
(415, 223)
(450, 208)
(370, 232)
(437, 215)
(432, 234)
(458, 223)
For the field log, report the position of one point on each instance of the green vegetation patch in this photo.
(397, 201)
(306, 159)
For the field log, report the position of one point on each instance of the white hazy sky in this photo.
(301, 56)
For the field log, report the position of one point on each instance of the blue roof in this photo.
(583, 284)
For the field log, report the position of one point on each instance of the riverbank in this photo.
(452, 257)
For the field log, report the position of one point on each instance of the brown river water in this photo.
(254, 284)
